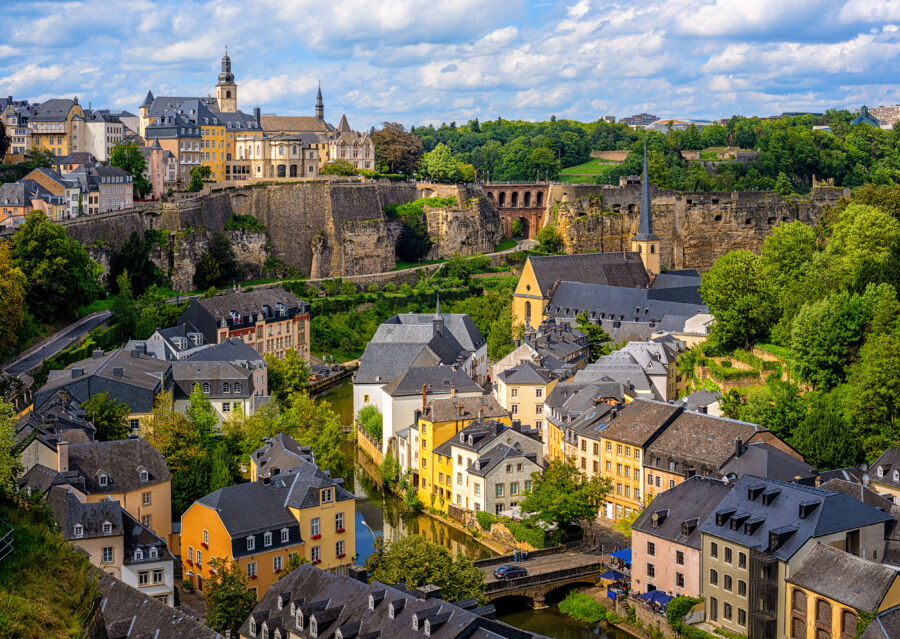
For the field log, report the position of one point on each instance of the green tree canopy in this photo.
(61, 276)
(229, 601)
(338, 167)
(416, 562)
(128, 156)
(134, 257)
(439, 164)
(287, 375)
(563, 495)
(12, 299)
(10, 465)
(824, 437)
(398, 150)
(596, 336)
(108, 417)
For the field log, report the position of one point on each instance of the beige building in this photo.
(522, 390)
(279, 156)
(884, 475)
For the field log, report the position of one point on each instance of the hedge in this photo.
(755, 361)
(582, 607)
(727, 372)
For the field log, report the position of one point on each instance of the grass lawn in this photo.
(403, 265)
(594, 166)
(708, 155)
(505, 245)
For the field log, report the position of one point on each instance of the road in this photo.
(548, 563)
(33, 357)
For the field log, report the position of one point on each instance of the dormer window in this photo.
(154, 553)
(897, 475)
(252, 627)
(265, 633)
(327, 496)
(103, 480)
(267, 539)
(226, 387)
(284, 535)
(78, 531)
(251, 543)
(237, 387)
(145, 476)
(106, 528)
(880, 472)
(206, 388)
(313, 627)
(138, 554)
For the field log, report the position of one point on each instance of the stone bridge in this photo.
(547, 573)
(514, 201)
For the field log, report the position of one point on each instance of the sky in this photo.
(432, 61)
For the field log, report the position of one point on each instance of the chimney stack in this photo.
(62, 457)
(452, 391)
(738, 448)
(424, 396)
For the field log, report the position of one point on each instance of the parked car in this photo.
(337, 368)
(509, 572)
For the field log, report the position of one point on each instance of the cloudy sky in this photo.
(421, 61)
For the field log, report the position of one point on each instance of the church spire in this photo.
(645, 228)
(320, 105)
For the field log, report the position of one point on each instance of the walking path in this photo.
(32, 359)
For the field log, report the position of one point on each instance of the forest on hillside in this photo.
(790, 152)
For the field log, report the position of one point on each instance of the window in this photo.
(609, 466)
(823, 613)
(106, 528)
(314, 526)
(679, 579)
(107, 554)
(267, 539)
(158, 576)
(514, 409)
(742, 560)
(618, 449)
(226, 387)
(478, 490)
(251, 543)
(713, 608)
(637, 454)
(596, 448)
(78, 531)
(713, 577)
(226, 407)
(145, 476)
(315, 553)
(146, 498)
(103, 480)
(679, 557)
(518, 468)
(742, 618)
(726, 610)
(154, 553)
(143, 578)
(608, 445)
(637, 493)
(618, 489)
(742, 588)
(277, 563)
(459, 479)
(513, 392)
(848, 623)
(251, 569)
(714, 550)
(205, 536)
(327, 495)
(618, 469)
(134, 424)
(651, 570)
(339, 522)
(628, 451)
(726, 582)
(728, 555)
(199, 558)
(498, 490)
(514, 489)
(147, 521)
(538, 392)
(205, 387)
(651, 549)
(339, 549)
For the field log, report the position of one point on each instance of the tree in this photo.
(287, 375)
(134, 257)
(207, 272)
(10, 465)
(224, 471)
(413, 242)
(741, 299)
(439, 164)
(542, 163)
(154, 311)
(597, 337)
(217, 266)
(416, 562)
(201, 414)
(124, 307)
(228, 599)
(371, 420)
(864, 247)
(12, 299)
(4, 141)
(295, 560)
(338, 167)
(783, 185)
(61, 276)
(785, 251)
(185, 450)
(872, 401)
(777, 406)
(108, 417)
(549, 239)
(198, 174)
(825, 438)
(397, 149)
(562, 495)
(128, 156)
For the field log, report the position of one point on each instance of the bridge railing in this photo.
(507, 559)
(533, 580)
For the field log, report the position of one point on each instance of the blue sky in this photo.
(429, 61)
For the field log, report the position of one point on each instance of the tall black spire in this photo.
(226, 77)
(320, 105)
(645, 229)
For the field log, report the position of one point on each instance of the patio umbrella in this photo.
(624, 555)
(656, 596)
(613, 575)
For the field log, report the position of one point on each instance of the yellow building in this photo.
(261, 524)
(884, 475)
(522, 390)
(831, 590)
(441, 420)
(57, 125)
(540, 276)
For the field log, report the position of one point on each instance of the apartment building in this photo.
(567, 403)
(102, 132)
(522, 390)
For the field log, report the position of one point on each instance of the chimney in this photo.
(424, 395)
(256, 116)
(356, 572)
(98, 353)
(517, 425)
(452, 391)
(738, 448)
(119, 372)
(428, 591)
(481, 413)
(77, 372)
(62, 457)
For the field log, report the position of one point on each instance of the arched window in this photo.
(823, 613)
(205, 387)
(653, 248)
(237, 387)
(280, 149)
(527, 313)
(228, 94)
(226, 387)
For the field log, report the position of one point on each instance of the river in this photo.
(381, 513)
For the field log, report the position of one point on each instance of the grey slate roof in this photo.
(60, 418)
(127, 612)
(525, 373)
(69, 512)
(764, 460)
(280, 453)
(886, 625)
(139, 537)
(619, 303)
(479, 435)
(888, 462)
(342, 603)
(55, 110)
(122, 461)
(437, 379)
(592, 422)
(233, 350)
(701, 399)
(460, 325)
(843, 577)
(679, 510)
(498, 455)
(611, 269)
(639, 422)
(851, 474)
(382, 362)
(860, 492)
(188, 373)
(832, 512)
(445, 409)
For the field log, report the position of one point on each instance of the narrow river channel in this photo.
(382, 513)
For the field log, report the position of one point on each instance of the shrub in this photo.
(755, 361)
(485, 519)
(244, 223)
(390, 287)
(723, 372)
(187, 585)
(525, 533)
(371, 420)
(373, 288)
(582, 607)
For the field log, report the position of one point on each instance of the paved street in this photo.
(547, 563)
(72, 333)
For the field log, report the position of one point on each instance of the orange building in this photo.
(261, 524)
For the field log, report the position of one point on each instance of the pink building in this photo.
(666, 540)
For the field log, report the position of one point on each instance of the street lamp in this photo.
(363, 522)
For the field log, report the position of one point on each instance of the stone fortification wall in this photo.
(471, 227)
(695, 228)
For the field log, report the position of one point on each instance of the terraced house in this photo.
(260, 524)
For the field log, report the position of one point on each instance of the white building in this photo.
(103, 131)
